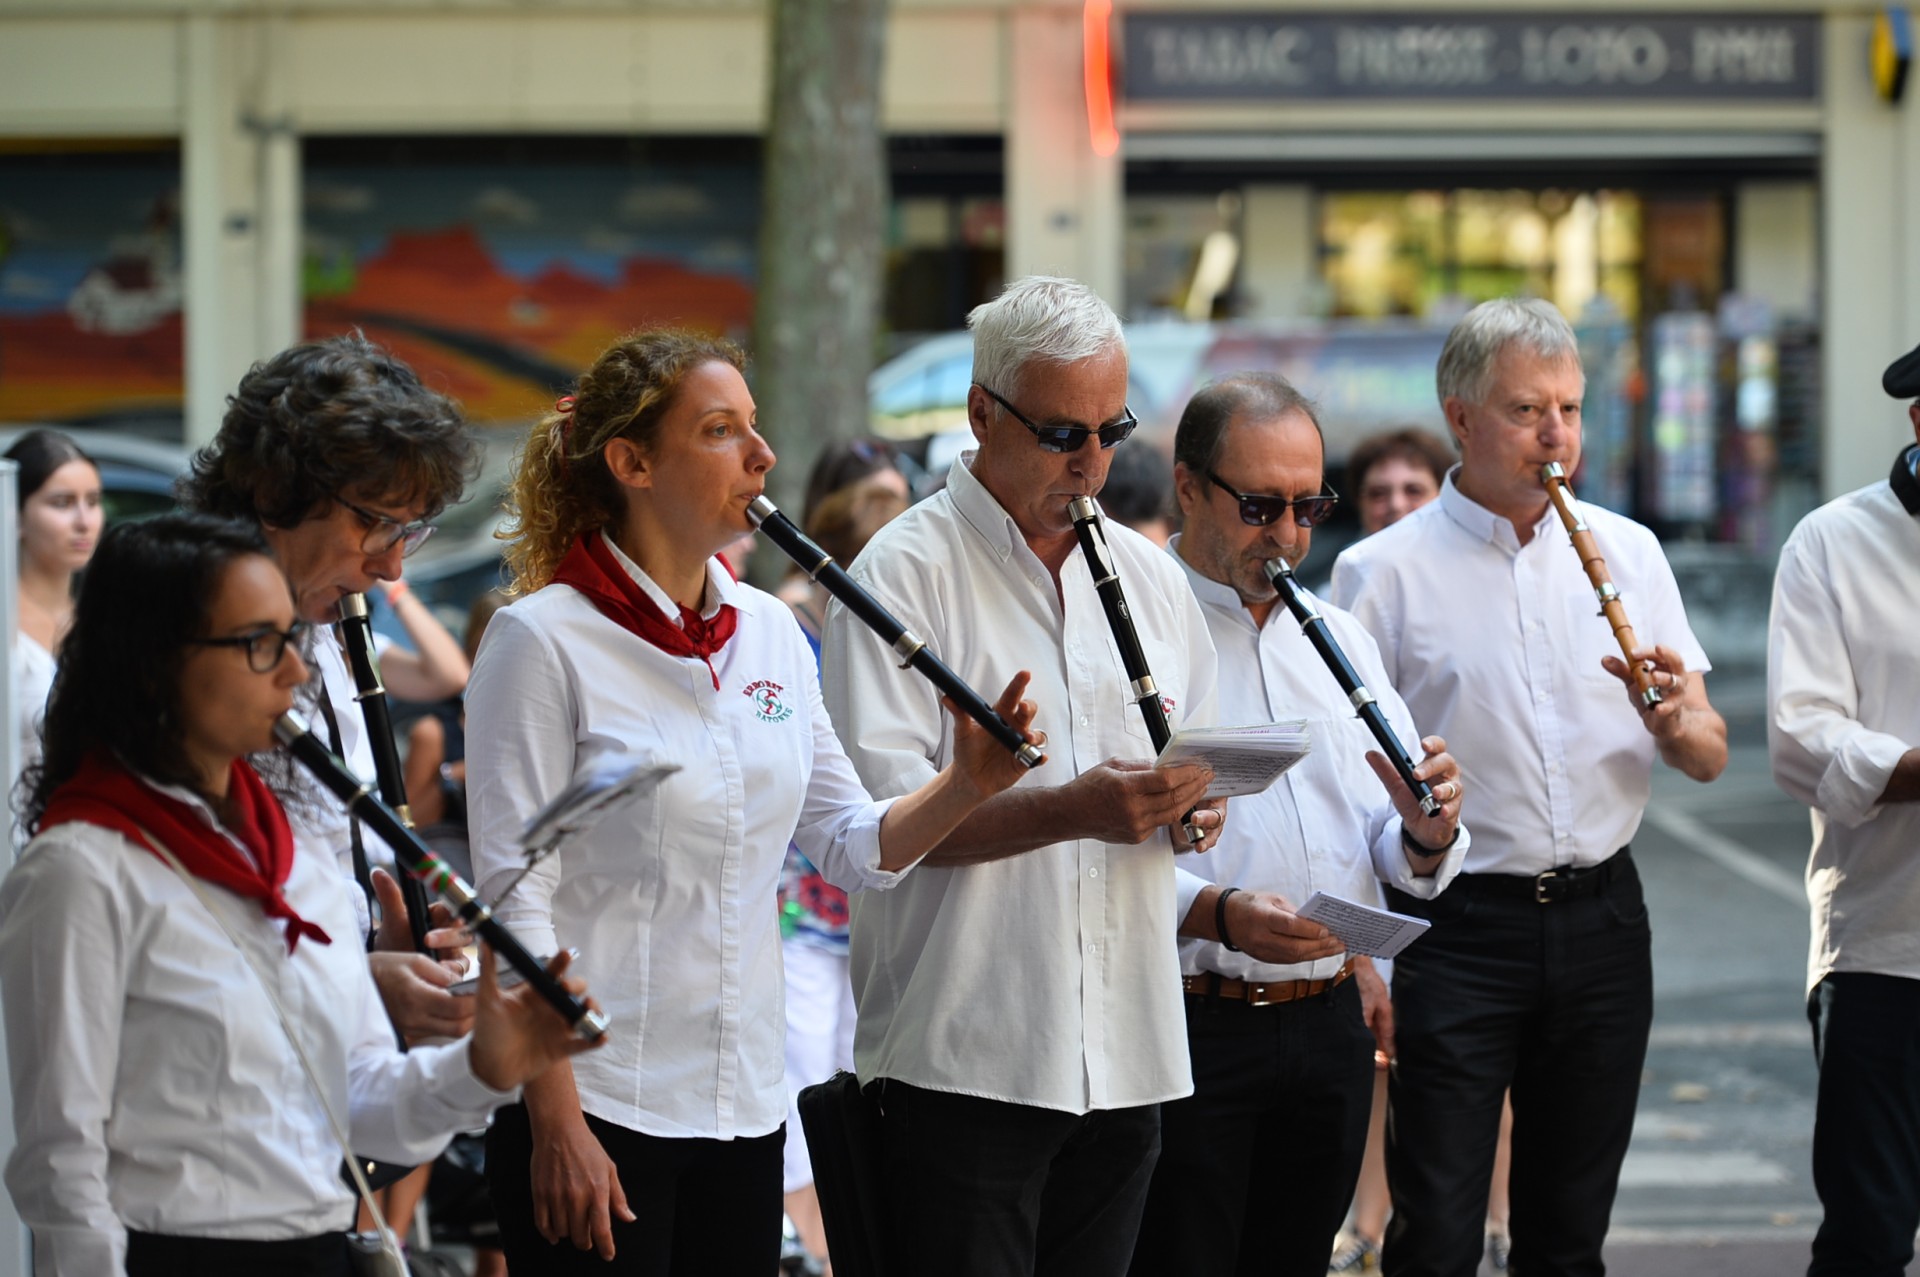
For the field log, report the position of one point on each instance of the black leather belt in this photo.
(1553, 886)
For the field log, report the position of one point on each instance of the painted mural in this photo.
(90, 288)
(498, 279)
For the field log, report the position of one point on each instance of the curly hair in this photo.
(328, 418)
(561, 485)
(145, 597)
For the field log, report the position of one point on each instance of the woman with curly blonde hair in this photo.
(634, 643)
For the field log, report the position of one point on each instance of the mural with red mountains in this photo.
(502, 345)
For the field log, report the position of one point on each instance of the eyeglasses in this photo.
(265, 647)
(383, 533)
(1070, 438)
(1308, 512)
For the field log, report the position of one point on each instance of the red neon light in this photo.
(1098, 74)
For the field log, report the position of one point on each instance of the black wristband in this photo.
(1220, 919)
(1419, 848)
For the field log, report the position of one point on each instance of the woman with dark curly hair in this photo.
(165, 1123)
(633, 642)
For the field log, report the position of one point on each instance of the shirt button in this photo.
(1093, 948)
(1083, 720)
(1093, 873)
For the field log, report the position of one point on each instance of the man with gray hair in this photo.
(1019, 994)
(1537, 973)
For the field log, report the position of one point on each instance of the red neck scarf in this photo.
(103, 792)
(591, 569)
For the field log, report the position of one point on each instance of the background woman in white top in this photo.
(164, 1122)
(60, 521)
(663, 1152)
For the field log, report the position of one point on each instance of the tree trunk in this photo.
(822, 236)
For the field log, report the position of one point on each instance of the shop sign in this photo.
(1186, 57)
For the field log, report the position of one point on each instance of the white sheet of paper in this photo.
(1377, 933)
(1245, 760)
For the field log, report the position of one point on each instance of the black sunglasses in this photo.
(1308, 512)
(265, 648)
(1071, 438)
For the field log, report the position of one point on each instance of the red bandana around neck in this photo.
(591, 569)
(104, 793)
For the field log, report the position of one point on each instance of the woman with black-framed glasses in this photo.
(164, 1120)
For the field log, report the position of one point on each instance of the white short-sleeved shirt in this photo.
(153, 1087)
(1327, 824)
(1050, 978)
(1496, 646)
(672, 903)
(1842, 710)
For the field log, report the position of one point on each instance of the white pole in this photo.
(15, 1248)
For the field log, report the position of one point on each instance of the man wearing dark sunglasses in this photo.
(1018, 993)
(1537, 972)
(1282, 1021)
(345, 458)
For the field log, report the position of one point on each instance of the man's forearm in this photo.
(1903, 785)
(1008, 824)
(1699, 749)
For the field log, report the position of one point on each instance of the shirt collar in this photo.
(1481, 522)
(1208, 590)
(981, 508)
(1905, 485)
(721, 589)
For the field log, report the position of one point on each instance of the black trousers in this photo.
(1866, 1128)
(1554, 1000)
(706, 1208)
(984, 1188)
(1258, 1164)
(164, 1255)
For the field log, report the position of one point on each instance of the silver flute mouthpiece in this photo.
(290, 728)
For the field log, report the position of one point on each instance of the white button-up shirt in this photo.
(1327, 824)
(1049, 978)
(1842, 711)
(672, 903)
(1496, 646)
(153, 1087)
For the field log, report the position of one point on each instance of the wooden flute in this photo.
(1555, 478)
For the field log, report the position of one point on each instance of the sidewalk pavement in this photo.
(1784, 1258)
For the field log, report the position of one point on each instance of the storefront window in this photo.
(1408, 253)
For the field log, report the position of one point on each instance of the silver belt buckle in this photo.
(1540, 896)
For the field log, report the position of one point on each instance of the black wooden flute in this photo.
(424, 866)
(1314, 626)
(913, 651)
(356, 628)
(1113, 599)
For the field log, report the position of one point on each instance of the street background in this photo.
(1718, 1179)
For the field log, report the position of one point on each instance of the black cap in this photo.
(1902, 377)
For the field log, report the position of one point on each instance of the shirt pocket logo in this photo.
(767, 705)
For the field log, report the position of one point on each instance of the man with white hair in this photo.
(1537, 973)
(1019, 995)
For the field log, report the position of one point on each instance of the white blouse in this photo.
(672, 903)
(153, 1088)
(33, 671)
